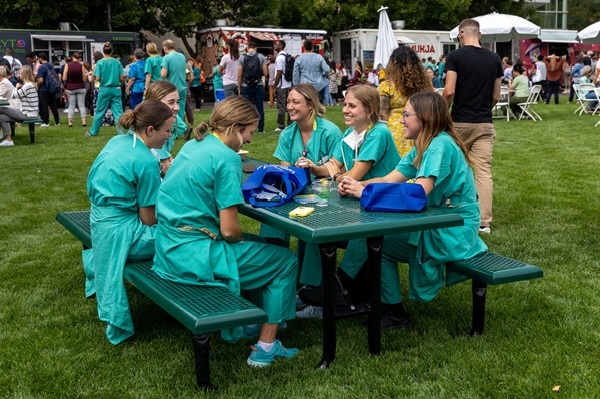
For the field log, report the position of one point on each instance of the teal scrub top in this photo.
(109, 70)
(152, 67)
(176, 65)
(217, 79)
(378, 147)
(204, 178)
(454, 191)
(319, 148)
(124, 176)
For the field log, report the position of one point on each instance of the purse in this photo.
(393, 197)
(273, 185)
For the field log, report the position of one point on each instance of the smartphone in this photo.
(301, 211)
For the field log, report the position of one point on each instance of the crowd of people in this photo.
(183, 211)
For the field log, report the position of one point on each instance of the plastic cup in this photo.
(322, 187)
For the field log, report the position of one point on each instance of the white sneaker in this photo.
(6, 143)
(310, 312)
(44, 125)
(484, 230)
(278, 130)
(65, 110)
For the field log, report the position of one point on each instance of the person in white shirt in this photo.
(228, 68)
(539, 75)
(282, 86)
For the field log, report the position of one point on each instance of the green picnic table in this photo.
(344, 219)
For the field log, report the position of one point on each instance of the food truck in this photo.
(359, 44)
(59, 44)
(212, 41)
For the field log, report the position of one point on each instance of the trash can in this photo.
(219, 95)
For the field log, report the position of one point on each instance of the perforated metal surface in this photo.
(495, 269)
(201, 309)
(344, 219)
(78, 224)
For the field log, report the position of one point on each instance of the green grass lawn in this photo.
(539, 334)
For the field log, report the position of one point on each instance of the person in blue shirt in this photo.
(137, 79)
(174, 70)
(439, 162)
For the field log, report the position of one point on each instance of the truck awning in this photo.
(558, 36)
(63, 38)
(264, 36)
(404, 40)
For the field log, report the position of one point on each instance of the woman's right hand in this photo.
(349, 186)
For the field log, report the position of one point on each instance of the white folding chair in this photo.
(526, 110)
(581, 90)
(596, 98)
(504, 103)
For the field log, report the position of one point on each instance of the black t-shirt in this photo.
(477, 69)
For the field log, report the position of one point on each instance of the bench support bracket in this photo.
(201, 344)
(479, 290)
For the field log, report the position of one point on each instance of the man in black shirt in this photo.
(473, 79)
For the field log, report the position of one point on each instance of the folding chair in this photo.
(526, 110)
(581, 90)
(504, 103)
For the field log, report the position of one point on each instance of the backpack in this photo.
(52, 80)
(289, 67)
(252, 70)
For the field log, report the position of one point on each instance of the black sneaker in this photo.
(391, 322)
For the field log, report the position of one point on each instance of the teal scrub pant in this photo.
(267, 275)
(182, 97)
(107, 97)
(116, 240)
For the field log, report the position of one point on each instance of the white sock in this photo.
(265, 346)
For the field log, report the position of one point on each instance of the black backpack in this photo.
(288, 74)
(52, 81)
(252, 70)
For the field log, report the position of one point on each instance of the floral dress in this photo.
(397, 102)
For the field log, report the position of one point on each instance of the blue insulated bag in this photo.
(393, 197)
(273, 185)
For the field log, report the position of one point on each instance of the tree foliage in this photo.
(186, 17)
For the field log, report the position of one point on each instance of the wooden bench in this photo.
(490, 269)
(31, 123)
(202, 310)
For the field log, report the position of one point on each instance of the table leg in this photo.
(374, 246)
(328, 263)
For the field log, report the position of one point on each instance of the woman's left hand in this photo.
(349, 186)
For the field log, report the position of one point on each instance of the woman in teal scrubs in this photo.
(199, 239)
(310, 138)
(122, 187)
(168, 94)
(440, 163)
(109, 72)
(366, 151)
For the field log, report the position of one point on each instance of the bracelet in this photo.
(338, 174)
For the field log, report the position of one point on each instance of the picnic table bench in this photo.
(31, 123)
(492, 269)
(202, 310)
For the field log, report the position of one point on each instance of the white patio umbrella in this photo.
(496, 27)
(386, 41)
(591, 34)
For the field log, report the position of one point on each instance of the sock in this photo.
(265, 346)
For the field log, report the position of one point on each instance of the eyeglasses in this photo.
(407, 114)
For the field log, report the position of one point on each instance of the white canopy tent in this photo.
(386, 40)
